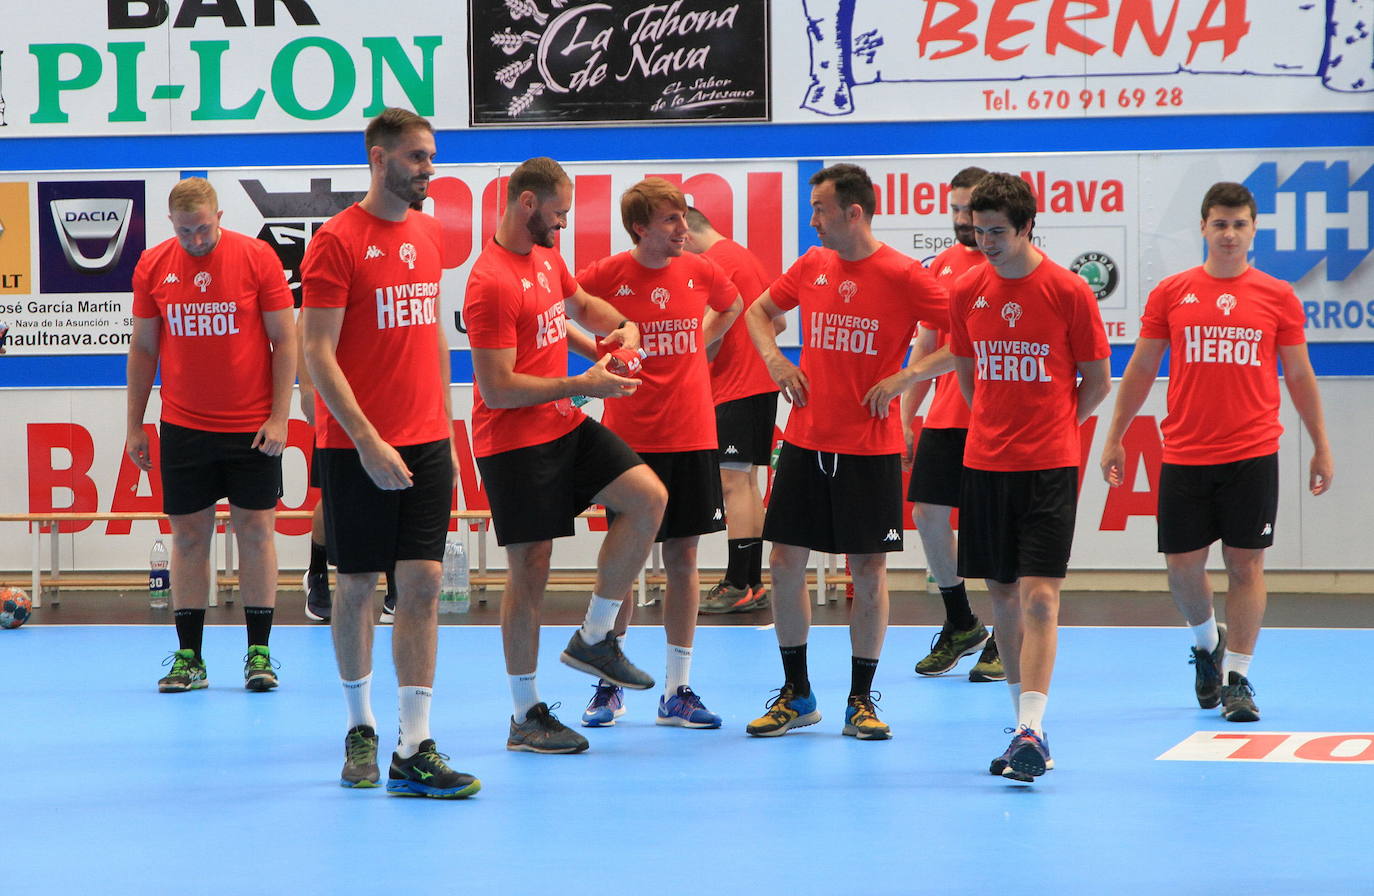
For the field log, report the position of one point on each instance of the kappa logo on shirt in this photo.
(981, 303)
(946, 271)
(848, 290)
(408, 255)
(1011, 313)
(372, 252)
(624, 290)
(821, 281)
(660, 297)
(203, 280)
(892, 535)
(525, 284)
(1189, 299)
(171, 278)
(1227, 303)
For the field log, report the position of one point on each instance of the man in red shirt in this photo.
(1226, 325)
(838, 486)
(380, 363)
(1032, 358)
(542, 460)
(746, 401)
(938, 463)
(213, 306)
(682, 305)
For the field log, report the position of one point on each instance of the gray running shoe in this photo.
(318, 602)
(725, 598)
(541, 732)
(1207, 668)
(360, 758)
(1237, 703)
(605, 660)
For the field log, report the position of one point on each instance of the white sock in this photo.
(601, 613)
(1238, 663)
(1031, 712)
(679, 669)
(358, 695)
(525, 692)
(414, 715)
(1015, 691)
(1206, 634)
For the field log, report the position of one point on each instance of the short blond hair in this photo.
(638, 204)
(191, 194)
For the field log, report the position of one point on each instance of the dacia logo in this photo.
(1316, 214)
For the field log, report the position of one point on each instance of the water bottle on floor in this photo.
(159, 576)
(454, 585)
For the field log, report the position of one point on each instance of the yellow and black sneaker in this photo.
(861, 718)
(785, 712)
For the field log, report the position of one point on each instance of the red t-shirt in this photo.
(1027, 336)
(857, 318)
(672, 409)
(215, 354)
(385, 275)
(948, 410)
(1223, 373)
(737, 370)
(516, 301)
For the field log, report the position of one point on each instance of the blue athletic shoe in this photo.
(685, 710)
(1028, 757)
(607, 705)
(1003, 762)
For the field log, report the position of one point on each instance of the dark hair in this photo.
(696, 221)
(852, 186)
(1006, 193)
(540, 175)
(969, 177)
(637, 204)
(390, 125)
(1229, 195)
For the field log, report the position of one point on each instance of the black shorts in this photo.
(1235, 502)
(314, 464)
(536, 492)
(200, 467)
(695, 503)
(744, 429)
(1014, 524)
(836, 503)
(938, 468)
(368, 529)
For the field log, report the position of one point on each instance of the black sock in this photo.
(391, 585)
(957, 610)
(861, 671)
(794, 669)
(190, 625)
(737, 572)
(319, 558)
(259, 621)
(756, 563)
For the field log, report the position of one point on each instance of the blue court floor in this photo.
(111, 787)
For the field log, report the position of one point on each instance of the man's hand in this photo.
(790, 380)
(878, 399)
(598, 382)
(1113, 464)
(385, 466)
(1320, 471)
(627, 336)
(271, 438)
(136, 446)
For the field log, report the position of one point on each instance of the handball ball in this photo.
(14, 607)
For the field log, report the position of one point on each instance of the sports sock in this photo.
(1206, 634)
(794, 669)
(861, 672)
(358, 697)
(259, 623)
(391, 585)
(737, 570)
(679, 669)
(190, 623)
(1238, 663)
(756, 564)
(601, 613)
(414, 719)
(319, 558)
(957, 610)
(1031, 711)
(1015, 691)
(524, 692)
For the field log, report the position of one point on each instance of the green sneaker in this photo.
(950, 646)
(989, 665)
(259, 669)
(188, 673)
(360, 758)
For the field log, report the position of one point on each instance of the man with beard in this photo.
(542, 460)
(938, 463)
(380, 363)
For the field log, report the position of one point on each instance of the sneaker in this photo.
(605, 660)
(725, 598)
(259, 669)
(427, 774)
(541, 732)
(607, 705)
(1237, 704)
(989, 665)
(388, 609)
(1001, 763)
(950, 646)
(1207, 671)
(758, 599)
(188, 673)
(685, 710)
(318, 602)
(360, 758)
(785, 712)
(861, 718)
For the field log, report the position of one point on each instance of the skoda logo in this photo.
(1099, 271)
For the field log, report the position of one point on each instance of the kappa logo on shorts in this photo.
(719, 515)
(1227, 303)
(892, 535)
(821, 281)
(731, 449)
(1189, 299)
(372, 252)
(1268, 529)
(981, 303)
(171, 278)
(624, 290)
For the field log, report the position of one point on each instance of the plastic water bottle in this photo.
(159, 576)
(453, 587)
